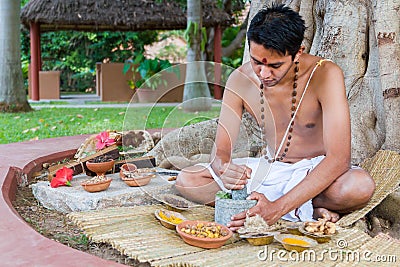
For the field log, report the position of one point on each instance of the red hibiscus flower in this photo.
(104, 140)
(63, 177)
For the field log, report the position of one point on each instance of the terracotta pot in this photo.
(97, 187)
(203, 242)
(127, 167)
(100, 168)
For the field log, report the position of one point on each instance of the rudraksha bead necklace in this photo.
(289, 130)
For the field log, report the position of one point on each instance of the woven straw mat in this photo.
(135, 232)
(384, 168)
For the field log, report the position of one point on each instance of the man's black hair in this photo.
(277, 27)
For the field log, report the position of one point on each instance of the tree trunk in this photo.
(196, 94)
(238, 41)
(12, 92)
(362, 37)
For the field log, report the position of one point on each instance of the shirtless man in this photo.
(277, 74)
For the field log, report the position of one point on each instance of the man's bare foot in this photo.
(327, 214)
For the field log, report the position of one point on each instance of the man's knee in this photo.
(193, 177)
(187, 177)
(360, 188)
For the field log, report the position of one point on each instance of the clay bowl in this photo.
(203, 242)
(168, 213)
(130, 175)
(295, 242)
(140, 180)
(96, 187)
(318, 238)
(260, 239)
(100, 168)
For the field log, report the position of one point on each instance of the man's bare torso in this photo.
(307, 135)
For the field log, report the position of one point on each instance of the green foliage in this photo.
(191, 29)
(146, 68)
(223, 195)
(24, 2)
(25, 70)
(235, 60)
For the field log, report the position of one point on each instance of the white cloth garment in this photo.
(275, 180)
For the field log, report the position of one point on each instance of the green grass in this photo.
(56, 122)
(49, 103)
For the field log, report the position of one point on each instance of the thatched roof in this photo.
(122, 15)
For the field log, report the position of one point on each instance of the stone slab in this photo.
(74, 198)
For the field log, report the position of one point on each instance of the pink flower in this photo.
(63, 177)
(104, 140)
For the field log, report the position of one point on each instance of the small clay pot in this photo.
(127, 167)
(100, 168)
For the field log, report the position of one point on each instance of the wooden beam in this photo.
(217, 60)
(35, 59)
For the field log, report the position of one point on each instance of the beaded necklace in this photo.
(289, 130)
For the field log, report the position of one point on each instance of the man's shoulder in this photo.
(243, 75)
(320, 62)
(245, 69)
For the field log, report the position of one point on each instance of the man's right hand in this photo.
(234, 176)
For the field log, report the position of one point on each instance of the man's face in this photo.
(269, 66)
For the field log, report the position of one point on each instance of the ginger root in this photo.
(320, 227)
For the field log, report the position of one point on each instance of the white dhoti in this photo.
(275, 180)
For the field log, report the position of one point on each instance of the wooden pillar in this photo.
(35, 59)
(217, 60)
(39, 48)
